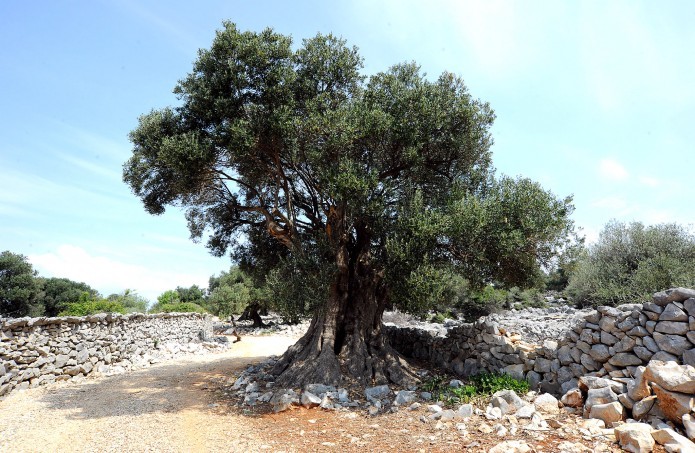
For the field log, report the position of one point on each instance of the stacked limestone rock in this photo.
(36, 351)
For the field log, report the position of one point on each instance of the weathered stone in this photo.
(526, 411)
(663, 356)
(542, 365)
(673, 405)
(626, 400)
(651, 306)
(511, 398)
(587, 383)
(689, 357)
(589, 363)
(643, 353)
(609, 412)
(663, 298)
(673, 312)
(689, 305)
(465, 411)
(672, 441)
(283, 400)
(625, 344)
(627, 324)
(671, 327)
(534, 379)
(501, 404)
(650, 344)
(672, 377)
(564, 374)
(404, 397)
(689, 424)
(650, 325)
(674, 344)
(319, 389)
(573, 398)
(623, 359)
(564, 355)
(599, 396)
(377, 392)
(608, 339)
(599, 352)
(638, 331)
(639, 387)
(642, 407)
(546, 403)
(635, 437)
(593, 316)
(607, 324)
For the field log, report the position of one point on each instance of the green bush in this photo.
(479, 387)
(630, 262)
(86, 306)
(179, 307)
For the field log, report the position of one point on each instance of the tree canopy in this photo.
(383, 183)
(18, 287)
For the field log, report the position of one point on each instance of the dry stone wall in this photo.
(608, 342)
(36, 351)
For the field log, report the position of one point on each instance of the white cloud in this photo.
(109, 275)
(612, 170)
(649, 181)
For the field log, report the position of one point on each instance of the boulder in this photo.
(673, 312)
(672, 377)
(609, 412)
(663, 298)
(625, 359)
(639, 387)
(309, 400)
(573, 398)
(675, 344)
(689, 425)
(635, 437)
(404, 397)
(377, 392)
(511, 446)
(511, 398)
(546, 403)
(641, 408)
(672, 441)
(672, 327)
(601, 395)
(599, 352)
(674, 405)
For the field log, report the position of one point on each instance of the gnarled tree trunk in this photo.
(344, 340)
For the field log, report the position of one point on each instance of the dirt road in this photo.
(167, 407)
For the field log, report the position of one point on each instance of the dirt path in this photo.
(167, 407)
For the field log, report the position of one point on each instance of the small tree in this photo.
(385, 184)
(629, 262)
(19, 289)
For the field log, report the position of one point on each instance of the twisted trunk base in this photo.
(344, 341)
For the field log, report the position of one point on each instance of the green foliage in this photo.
(179, 307)
(489, 383)
(87, 305)
(478, 387)
(19, 290)
(629, 262)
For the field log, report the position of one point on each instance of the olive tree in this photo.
(384, 183)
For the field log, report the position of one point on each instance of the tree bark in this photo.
(344, 340)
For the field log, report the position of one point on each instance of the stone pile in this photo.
(609, 341)
(36, 351)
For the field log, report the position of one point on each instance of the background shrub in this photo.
(629, 262)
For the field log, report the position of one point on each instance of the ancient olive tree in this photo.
(383, 183)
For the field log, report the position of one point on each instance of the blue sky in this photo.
(593, 98)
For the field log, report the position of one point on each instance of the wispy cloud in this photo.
(649, 181)
(612, 170)
(613, 202)
(94, 168)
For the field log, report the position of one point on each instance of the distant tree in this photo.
(385, 184)
(235, 292)
(170, 301)
(56, 293)
(132, 302)
(192, 294)
(19, 289)
(629, 262)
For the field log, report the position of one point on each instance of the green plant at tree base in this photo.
(479, 387)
